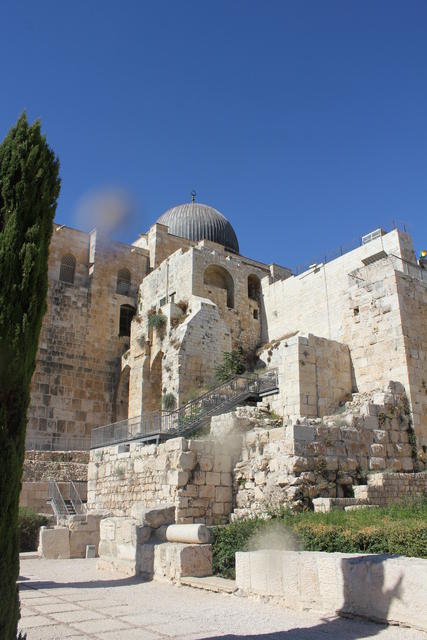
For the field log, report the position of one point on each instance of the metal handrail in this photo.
(56, 499)
(188, 417)
(76, 500)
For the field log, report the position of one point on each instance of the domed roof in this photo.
(197, 221)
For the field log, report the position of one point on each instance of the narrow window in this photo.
(126, 314)
(255, 314)
(68, 268)
(123, 282)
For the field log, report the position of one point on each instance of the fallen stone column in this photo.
(188, 533)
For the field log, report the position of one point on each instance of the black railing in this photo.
(191, 416)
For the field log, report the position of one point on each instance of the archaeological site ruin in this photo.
(127, 413)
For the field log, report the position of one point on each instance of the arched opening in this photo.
(219, 278)
(126, 314)
(68, 268)
(254, 287)
(123, 282)
(121, 401)
(156, 383)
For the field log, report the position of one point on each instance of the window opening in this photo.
(68, 268)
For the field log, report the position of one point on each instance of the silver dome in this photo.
(197, 221)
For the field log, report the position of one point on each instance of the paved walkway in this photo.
(69, 599)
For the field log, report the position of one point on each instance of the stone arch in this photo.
(123, 282)
(121, 401)
(216, 276)
(126, 314)
(254, 287)
(156, 380)
(67, 269)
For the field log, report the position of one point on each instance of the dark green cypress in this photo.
(29, 189)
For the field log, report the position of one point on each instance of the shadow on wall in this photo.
(337, 627)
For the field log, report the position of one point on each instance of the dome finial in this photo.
(193, 195)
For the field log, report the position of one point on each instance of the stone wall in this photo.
(70, 541)
(379, 587)
(387, 488)
(324, 458)
(193, 475)
(56, 465)
(34, 495)
(314, 374)
(373, 299)
(78, 359)
(249, 465)
(180, 358)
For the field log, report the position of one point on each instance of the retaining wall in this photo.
(379, 587)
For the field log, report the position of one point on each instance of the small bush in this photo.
(157, 321)
(398, 529)
(169, 401)
(233, 364)
(229, 539)
(29, 523)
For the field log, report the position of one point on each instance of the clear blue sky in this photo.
(303, 122)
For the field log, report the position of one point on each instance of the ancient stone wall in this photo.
(370, 299)
(324, 458)
(380, 587)
(389, 488)
(314, 374)
(222, 310)
(78, 360)
(57, 465)
(193, 475)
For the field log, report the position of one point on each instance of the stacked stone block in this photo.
(193, 475)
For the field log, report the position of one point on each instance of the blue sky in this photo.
(304, 122)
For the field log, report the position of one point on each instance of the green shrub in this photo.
(398, 529)
(168, 401)
(229, 539)
(157, 321)
(233, 364)
(29, 523)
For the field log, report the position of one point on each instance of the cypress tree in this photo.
(29, 189)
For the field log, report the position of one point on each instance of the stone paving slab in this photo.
(70, 600)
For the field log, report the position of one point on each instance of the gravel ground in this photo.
(69, 599)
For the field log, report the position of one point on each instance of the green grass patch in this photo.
(398, 529)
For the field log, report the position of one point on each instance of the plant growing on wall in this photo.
(29, 189)
(233, 364)
(169, 401)
(158, 322)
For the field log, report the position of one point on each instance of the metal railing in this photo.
(56, 442)
(56, 499)
(191, 416)
(76, 500)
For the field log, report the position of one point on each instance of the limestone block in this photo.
(213, 478)
(223, 494)
(380, 436)
(187, 460)
(176, 560)
(178, 478)
(189, 533)
(378, 450)
(153, 517)
(205, 464)
(175, 444)
(54, 543)
(207, 491)
(300, 432)
(376, 464)
(108, 529)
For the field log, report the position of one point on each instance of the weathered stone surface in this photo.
(153, 517)
(379, 587)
